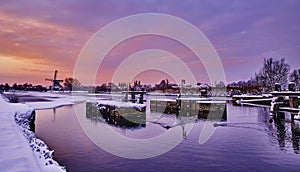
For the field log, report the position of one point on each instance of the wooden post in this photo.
(132, 95)
(292, 116)
(203, 92)
(190, 106)
(280, 115)
(126, 96)
(277, 87)
(224, 116)
(141, 100)
(292, 86)
(293, 102)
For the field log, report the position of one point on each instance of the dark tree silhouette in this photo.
(70, 83)
(295, 77)
(273, 71)
(6, 87)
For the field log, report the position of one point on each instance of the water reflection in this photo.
(287, 131)
(249, 143)
(169, 121)
(295, 136)
(54, 114)
(283, 131)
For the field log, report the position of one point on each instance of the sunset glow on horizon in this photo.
(38, 37)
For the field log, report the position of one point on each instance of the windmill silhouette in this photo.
(55, 82)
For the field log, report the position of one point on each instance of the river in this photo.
(247, 141)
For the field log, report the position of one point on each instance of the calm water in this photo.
(247, 141)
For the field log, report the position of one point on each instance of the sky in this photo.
(40, 36)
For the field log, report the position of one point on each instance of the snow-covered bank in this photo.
(54, 99)
(21, 150)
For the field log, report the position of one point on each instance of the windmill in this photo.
(55, 82)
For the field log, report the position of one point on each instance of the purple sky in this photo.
(39, 36)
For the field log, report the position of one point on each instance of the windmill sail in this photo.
(55, 82)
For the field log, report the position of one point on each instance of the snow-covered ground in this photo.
(22, 150)
(19, 148)
(54, 99)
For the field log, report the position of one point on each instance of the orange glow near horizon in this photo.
(32, 49)
(37, 38)
(34, 69)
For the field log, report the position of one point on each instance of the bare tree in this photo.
(295, 77)
(70, 83)
(273, 71)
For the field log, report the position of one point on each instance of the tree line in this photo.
(273, 71)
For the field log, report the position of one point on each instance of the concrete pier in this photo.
(212, 110)
(121, 114)
(202, 107)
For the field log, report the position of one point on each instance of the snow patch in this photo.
(19, 144)
(119, 104)
(39, 148)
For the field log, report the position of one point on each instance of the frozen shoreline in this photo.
(22, 150)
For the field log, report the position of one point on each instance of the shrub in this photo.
(14, 99)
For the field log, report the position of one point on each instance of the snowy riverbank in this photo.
(47, 100)
(21, 150)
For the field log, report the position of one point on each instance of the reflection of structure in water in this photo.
(180, 121)
(295, 136)
(283, 135)
(281, 131)
(127, 117)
